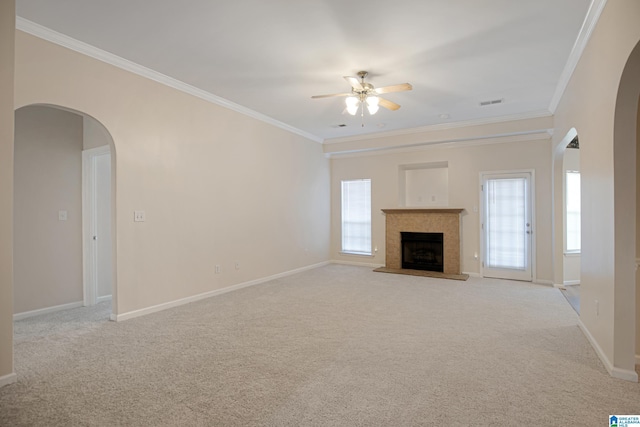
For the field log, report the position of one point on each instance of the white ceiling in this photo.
(272, 56)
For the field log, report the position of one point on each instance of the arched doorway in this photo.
(569, 157)
(626, 215)
(50, 249)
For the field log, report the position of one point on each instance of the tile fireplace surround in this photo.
(417, 220)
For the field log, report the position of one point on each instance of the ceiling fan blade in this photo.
(331, 95)
(388, 104)
(354, 82)
(395, 88)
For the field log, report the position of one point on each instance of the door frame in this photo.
(481, 217)
(89, 224)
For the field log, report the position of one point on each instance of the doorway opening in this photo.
(571, 219)
(50, 251)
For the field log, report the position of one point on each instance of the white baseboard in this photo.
(104, 298)
(544, 282)
(47, 310)
(356, 263)
(8, 379)
(623, 374)
(571, 282)
(637, 359)
(164, 306)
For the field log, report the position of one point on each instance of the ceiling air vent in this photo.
(492, 102)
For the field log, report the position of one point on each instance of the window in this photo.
(573, 211)
(356, 216)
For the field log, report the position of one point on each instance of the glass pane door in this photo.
(507, 229)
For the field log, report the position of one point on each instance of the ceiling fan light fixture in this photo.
(363, 93)
(372, 104)
(352, 105)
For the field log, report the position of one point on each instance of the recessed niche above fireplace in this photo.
(424, 229)
(424, 184)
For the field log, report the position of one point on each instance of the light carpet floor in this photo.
(334, 346)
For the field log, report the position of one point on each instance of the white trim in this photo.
(47, 310)
(171, 304)
(532, 136)
(622, 374)
(8, 379)
(543, 282)
(637, 359)
(89, 220)
(356, 263)
(358, 254)
(103, 298)
(124, 64)
(445, 126)
(589, 24)
(571, 282)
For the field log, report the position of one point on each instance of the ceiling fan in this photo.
(365, 94)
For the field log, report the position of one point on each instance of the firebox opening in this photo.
(422, 251)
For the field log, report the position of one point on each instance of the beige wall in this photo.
(638, 237)
(464, 166)
(217, 186)
(7, 25)
(608, 224)
(47, 179)
(94, 135)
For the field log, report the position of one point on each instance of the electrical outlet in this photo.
(217, 269)
(237, 265)
(597, 308)
(139, 216)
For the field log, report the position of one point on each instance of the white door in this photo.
(507, 226)
(96, 210)
(103, 226)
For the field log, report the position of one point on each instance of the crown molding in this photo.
(55, 37)
(589, 24)
(442, 126)
(533, 136)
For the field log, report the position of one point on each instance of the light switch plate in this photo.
(139, 216)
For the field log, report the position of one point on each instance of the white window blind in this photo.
(506, 223)
(572, 188)
(356, 216)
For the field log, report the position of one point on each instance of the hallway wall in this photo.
(7, 34)
(218, 187)
(589, 105)
(47, 179)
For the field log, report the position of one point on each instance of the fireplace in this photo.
(445, 222)
(422, 251)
